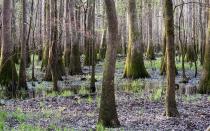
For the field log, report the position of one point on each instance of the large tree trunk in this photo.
(108, 114)
(67, 47)
(53, 56)
(22, 72)
(8, 74)
(134, 67)
(89, 36)
(75, 64)
(0, 27)
(204, 86)
(170, 102)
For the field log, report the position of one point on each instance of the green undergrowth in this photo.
(191, 98)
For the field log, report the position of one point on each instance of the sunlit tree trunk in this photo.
(134, 67)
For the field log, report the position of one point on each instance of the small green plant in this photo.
(19, 115)
(98, 102)
(52, 94)
(40, 88)
(90, 100)
(156, 94)
(191, 98)
(25, 127)
(66, 93)
(3, 116)
(82, 90)
(100, 127)
(47, 113)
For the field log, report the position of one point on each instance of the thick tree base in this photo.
(109, 123)
(204, 87)
(8, 73)
(8, 78)
(150, 54)
(135, 70)
(67, 54)
(172, 113)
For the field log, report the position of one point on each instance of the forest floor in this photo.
(140, 103)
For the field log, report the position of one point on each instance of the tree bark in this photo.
(204, 87)
(134, 67)
(108, 114)
(170, 102)
(150, 48)
(22, 72)
(75, 64)
(8, 74)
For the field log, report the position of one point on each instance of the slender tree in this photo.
(67, 49)
(150, 49)
(108, 115)
(170, 102)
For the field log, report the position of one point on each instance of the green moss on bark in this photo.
(45, 56)
(135, 68)
(67, 54)
(8, 73)
(150, 52)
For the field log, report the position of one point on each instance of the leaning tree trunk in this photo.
(170, 102)
(108, 114)
(204, 86)
(8, 74)
(22, 72)
(134, 67)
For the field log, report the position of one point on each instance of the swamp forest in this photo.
(104, 65)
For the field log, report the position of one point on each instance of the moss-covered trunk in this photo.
(134, 67)
(8, 73)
